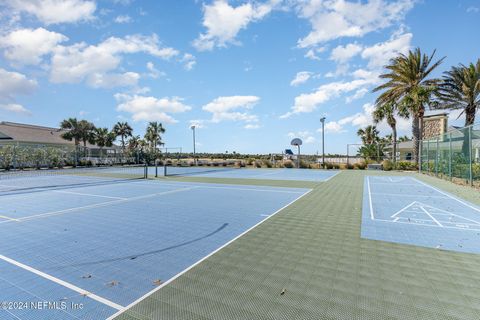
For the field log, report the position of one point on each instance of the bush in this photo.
(258, 164)
(387, 165)
(329, 165)
(303, 164)
(350, 166)
(406, 165)
(342, 166)
(336, 166)
(267, 163)
(250, 161)
(360, 165)
(288, 164)
(240, 164)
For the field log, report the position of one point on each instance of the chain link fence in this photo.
(454, 155)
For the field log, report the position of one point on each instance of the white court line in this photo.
(8, 218)
(370, 199)
(406, 195)
(395, 184)
(396, 219)
(431, 217)
(63, 283)
(87, 194)
(427, 225)
(201, 260)
(403, 209)
(60, 212)
(448, 195)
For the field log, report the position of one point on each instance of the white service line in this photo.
(59, 212)
(406, 195)
(63, 283)
(87, 194)
(201, 260)
(338, 172)
(403, 209)
(448, 195)
(431, 217)
(429, 225)
(372, 216)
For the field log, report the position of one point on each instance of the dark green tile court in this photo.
(312, 251)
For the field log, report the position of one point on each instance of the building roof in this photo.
(27, 133)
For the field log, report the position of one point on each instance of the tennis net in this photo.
(24, 180)
(196, 170)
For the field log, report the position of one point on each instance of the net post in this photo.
(164, 169)
(470, 155)
(145, 171)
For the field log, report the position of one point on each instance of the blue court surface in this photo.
(407, 210)
(90, 251)
(262, 174)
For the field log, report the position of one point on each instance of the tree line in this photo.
(410, 89)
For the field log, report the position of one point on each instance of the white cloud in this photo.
(28, 46)
(308, 102)
(473, 9)
(123, 19)
(306, 136)
(379, 54)
(342, 54)
(145, 108)
(189, 61)
(112, 80)
(313, 53)
(357, 95)
(223, 22)
(55, 11)
(13, 84)
(154, 72)
(198, 123)
(341, 18)
(15, 108)
(301, 77)
(79, 62)
(332, 127)
(232, 108)
(251, 126)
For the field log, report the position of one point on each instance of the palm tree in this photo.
(72, 127)
(460, 89)
(387, 112)
(369, 135)
(122, 130)
(103, 138)
(154, 135)
(86, 130)
(404, 139)
(409, 87)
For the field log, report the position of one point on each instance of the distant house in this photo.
(33, 136)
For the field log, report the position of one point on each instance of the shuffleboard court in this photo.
(103, 247)
(407, 210)
(260, 173)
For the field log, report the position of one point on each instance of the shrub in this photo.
(303, 164)
(258, 164)
(342, 166)
(288, 164)
(250, 161)
(387, 165)
(336, 166)
(350, 166)
(329, 165)
(360, 165)
(406, 165)
(240, 164)
(267, 163)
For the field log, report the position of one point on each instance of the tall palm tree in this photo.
(154, 135)
(460, 89)
(86, 130)
(408, 85)
(103, 138)
(122, 130)
(73, 131)
(387, 111)
(369, 135)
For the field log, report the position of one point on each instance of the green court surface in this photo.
(313, 253)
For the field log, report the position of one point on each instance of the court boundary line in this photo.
(332, 176)
(88, 194)
(148, 294)
(372, 216)
(8, 218)
(427, 225)
(62, 283)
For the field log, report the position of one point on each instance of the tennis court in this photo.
(407, 210)
(96, 247)
(259, 173)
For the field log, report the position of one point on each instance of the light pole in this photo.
(194, 158)
(322, 120)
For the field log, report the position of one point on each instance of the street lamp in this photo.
(194, 158)
(322, 120)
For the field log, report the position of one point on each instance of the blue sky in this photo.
(251, 75)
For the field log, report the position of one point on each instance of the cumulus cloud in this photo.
(301, 77)
(79, 62)
(55, 11)
(342, 54)
(189, 61)
(28, 46)
(223, 22)
(251, 126)
(332, 127)
(232, 108)
(313, 53)
(341, 18)
(121, 19)
(306, 136)
(13, 84)
(143, 108)
(379, 54)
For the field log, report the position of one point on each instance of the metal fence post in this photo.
(436, 159)
(470, 155)
(428, 154)
(450, 155)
